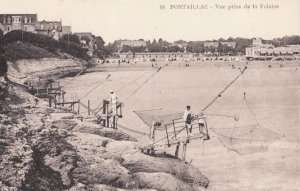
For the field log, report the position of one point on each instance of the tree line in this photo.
(70, 43)
(198, 46)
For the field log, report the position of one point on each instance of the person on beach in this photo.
(113, 101)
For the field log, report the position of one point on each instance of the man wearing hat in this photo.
(113, 101)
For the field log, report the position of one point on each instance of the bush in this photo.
(46, 43)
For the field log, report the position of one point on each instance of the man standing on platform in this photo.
(188, 118)
(113, 101)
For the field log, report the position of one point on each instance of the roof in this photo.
(18, 14)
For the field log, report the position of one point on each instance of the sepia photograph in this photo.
(149, 95)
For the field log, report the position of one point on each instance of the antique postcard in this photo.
(165, 95)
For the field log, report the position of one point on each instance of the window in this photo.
(8, 28)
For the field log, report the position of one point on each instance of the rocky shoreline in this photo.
(43, 148)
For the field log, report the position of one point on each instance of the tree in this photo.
(154, 42)
(1, 37)
(99, 42)
(70, 38)
(242, 44)
(160, 41)
(195, 47)
(225, 49)
(86, 39)
(46, 42)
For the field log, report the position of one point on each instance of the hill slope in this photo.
(17, 51)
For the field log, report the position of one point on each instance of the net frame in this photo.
(158, 115)
(246, 139)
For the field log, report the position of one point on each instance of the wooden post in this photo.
(55, 101)
(63, 97)
(104, 111)
(121, 115)
(174, 129)
(114, 122)
(107, 114)
(51, 86)
(50, 101)
(89, 107)
(184, 151)
(177, 149)
(167, 136)
(78, 109)
(37, 89)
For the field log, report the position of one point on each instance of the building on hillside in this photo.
(229, 44)
(30, 23)
(257, 42)
(260, 51)
(131, 43)
(211, 44)
(49, 28)
(25, 22)
(66, 30)
(155, 56)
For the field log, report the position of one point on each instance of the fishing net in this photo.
(246, 139)
(158, 115)
(245, 135)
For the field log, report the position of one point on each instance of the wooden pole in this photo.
(89, 107)
(63, 97)
(37, 89)
(114, 122)
(78, 109)
(50, 101)
(121, 115)
(174, 128)
(104, 112)
(167, 136)
(55, 102)
(177, 149)
(107, 114)
(184, 151)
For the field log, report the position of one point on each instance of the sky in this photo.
(144, 19)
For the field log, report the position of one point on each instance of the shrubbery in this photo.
(46, 43)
